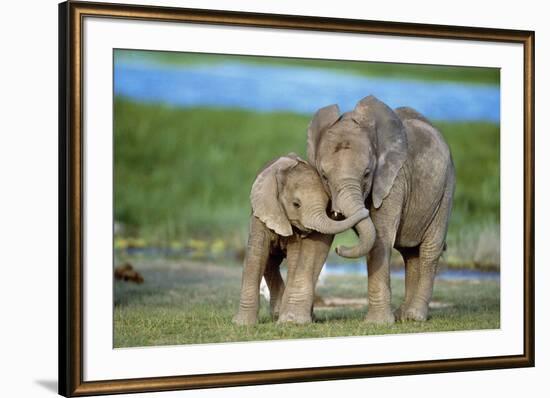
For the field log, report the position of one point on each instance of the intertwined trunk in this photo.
(351, 201)
(318, 220)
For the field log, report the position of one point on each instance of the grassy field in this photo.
(184, 302)
(375, 69)
(183, 176)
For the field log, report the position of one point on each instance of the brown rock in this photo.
(126, 272)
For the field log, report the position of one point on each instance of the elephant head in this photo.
(288, 192)
(358, 155)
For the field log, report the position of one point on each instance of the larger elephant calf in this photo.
(396, 164)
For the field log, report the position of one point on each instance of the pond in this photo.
(347, 268)
(458, 274)
(298, 89)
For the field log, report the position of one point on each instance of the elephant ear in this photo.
(405, 113)
(390, 141)
(293, 155)
(265, 196)
(323, 119)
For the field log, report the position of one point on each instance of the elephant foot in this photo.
(275, 311)
(245, 319)
(413, 313)
(274, 315)
(380, 317)
(399, 313)
(297, 318)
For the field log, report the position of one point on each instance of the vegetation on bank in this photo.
(183, 176)
(375, 69)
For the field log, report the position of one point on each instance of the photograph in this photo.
(254, 198)
(262, 198)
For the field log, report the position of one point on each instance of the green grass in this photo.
(377, 69)
(185, 174)
(189, 171)
(473, 237)
(189, 302)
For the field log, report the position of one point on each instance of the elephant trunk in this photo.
(351, 201)
(318, 220)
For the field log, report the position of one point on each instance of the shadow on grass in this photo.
(339, 314)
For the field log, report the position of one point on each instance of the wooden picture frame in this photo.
(71, 204)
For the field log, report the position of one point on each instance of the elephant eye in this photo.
(367, 171)
(296, 204)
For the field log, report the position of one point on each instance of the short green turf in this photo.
(185, 302)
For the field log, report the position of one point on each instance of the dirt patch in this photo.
(188, 267)
(440, 304)
(325, 303)
(333, 302)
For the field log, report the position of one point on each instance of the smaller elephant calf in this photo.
(289, 220)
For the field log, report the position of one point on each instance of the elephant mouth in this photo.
(300, 227)
(337, 216)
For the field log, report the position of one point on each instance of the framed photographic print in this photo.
(253, 199)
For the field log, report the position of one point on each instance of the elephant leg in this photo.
(386, 220)
(257, 257)
(321, 254)
(293, 249)
(275, 284)
(411, 256)
(417, 309)
(379, 290)
(320, 259)
(430, 251)
(300, 289)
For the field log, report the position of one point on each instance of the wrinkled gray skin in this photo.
(289, 206)
(396, 164)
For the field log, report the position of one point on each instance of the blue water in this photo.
(443, 274)
(298, 89)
